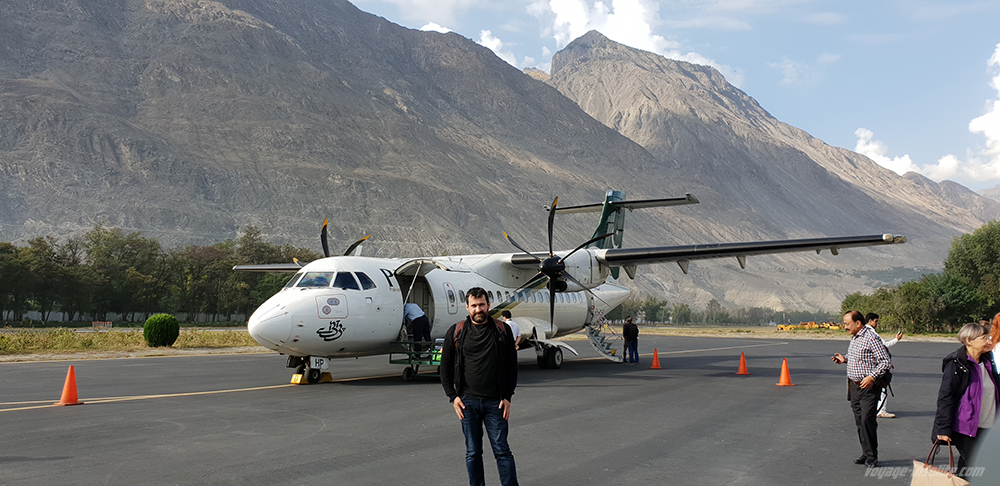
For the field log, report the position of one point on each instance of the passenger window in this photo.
(451, 296)
(461, 296)
(507, 294)
(490, 293)
(366, 283)
(315, 279)
(345, 281)
(545, 297)
(533, 295)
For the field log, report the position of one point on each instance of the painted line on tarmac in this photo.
(722, 349)
(50, 404)
(694, 350)
(109, 358)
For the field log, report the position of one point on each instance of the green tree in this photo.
(976, 258)
(681, 313)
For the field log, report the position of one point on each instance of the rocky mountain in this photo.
(766, 179)
(992, 193)
(190, 119)
(984, 207)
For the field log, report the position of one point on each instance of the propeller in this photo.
(326, 245)
(553, 268)
(322, 237)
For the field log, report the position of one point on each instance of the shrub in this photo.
(161, 330)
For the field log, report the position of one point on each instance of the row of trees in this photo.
(655, 310)
(109, 271)
(968, 289)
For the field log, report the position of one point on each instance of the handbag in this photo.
(925, 474)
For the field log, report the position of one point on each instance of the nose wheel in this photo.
(305, 374)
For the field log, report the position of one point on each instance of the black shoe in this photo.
(871, 463)
(861, 460)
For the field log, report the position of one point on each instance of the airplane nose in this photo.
(270, 327)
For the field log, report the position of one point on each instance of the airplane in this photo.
(351, 306)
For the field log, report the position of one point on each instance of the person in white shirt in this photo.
(872, 319)
(516, 329)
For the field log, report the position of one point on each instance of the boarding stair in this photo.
(605, 340)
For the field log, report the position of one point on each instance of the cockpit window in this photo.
(295, 278)
(366, 283)
(346, 281)
(315, 279)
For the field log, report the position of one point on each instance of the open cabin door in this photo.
(412, 278)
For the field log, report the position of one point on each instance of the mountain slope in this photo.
(189, 119)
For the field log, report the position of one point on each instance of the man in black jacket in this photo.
(479, 374)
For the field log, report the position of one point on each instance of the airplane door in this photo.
(451, 297)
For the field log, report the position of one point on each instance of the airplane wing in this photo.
(683, 254)
(631, 205)
(270, 268)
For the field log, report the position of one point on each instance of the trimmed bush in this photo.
(161, 330)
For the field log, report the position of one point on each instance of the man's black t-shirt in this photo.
(481, 349)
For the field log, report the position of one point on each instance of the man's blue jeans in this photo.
(486, 412)
(633, 352)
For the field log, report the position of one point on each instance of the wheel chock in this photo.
(298, 379)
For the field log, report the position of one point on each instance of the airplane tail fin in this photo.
(613, 218)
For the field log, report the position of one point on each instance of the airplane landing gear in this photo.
(550, 357)
(313, 375)
(304, 373)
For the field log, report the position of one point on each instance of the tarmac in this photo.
(234, 419)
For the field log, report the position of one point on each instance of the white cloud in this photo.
(487, 40)
(432, 27)
(989, 123)
(876, 150)
(981, 165)
(629, 22)
(800, 73)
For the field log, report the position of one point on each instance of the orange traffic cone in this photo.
(656, 361)
(69, 390)
(743, 365)
(785, 380)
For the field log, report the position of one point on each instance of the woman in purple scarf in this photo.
(969, 397)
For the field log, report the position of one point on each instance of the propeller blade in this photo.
(552, 304)
(574, 280)
(552, 218)
(355, 245)
(511, 240)
(592, 240)
(322, 237)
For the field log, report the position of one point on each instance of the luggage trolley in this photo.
(405, 353)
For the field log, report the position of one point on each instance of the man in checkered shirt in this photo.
(867, 363)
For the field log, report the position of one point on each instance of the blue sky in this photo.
(915, 85)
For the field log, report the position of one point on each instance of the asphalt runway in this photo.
(233, 419)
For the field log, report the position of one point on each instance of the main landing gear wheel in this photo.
(554, 357)
(408, 374)
(300, 369)
(313, 375)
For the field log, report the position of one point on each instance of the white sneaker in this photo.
(884, 414)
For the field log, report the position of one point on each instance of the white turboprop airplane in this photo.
(350, 306)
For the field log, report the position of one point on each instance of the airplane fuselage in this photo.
(347, 306)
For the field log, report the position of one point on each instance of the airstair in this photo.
(605, 340)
